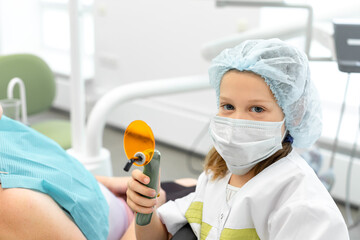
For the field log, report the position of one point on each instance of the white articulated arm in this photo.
(124, 93)
(283, 30)
(212, 48)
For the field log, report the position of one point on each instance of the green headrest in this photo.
(36, 75)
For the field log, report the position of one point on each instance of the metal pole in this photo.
(77, 91)
(224, 3)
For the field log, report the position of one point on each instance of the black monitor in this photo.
(347, 44)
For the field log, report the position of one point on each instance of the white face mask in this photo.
(244, 143)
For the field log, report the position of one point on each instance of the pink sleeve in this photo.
(120, 215)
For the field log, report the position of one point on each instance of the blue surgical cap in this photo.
(285, 69)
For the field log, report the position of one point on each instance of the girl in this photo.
(255, 186)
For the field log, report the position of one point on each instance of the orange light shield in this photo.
(139, 142)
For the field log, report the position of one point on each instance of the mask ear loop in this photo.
(287, 138)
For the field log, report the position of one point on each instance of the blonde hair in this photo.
(215, 163)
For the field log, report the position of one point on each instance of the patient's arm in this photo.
(27, 214)
(117, 185)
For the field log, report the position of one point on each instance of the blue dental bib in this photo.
(30, 160)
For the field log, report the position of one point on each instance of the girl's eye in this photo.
(257, 109)
(228, 107)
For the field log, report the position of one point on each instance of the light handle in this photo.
(152, 171)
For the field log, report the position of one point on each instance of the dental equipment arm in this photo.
(285, 30)
(95, 154)
(212, 49)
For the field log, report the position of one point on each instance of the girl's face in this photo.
(245, 95)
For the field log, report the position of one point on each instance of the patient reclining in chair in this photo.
(47, 194)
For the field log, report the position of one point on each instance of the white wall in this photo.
(141, 40)
(19, 30)
(331, 83)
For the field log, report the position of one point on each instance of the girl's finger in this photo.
(139, 188)
(139, 203)
(140, 176)
(141, 200)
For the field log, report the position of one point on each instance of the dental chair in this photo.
(184, 233)
(40, 89)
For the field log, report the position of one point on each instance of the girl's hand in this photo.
(137, 191)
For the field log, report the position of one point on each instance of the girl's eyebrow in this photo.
(225, 98)
(250, 100)
(261, 101)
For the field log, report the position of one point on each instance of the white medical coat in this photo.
(286, 201)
